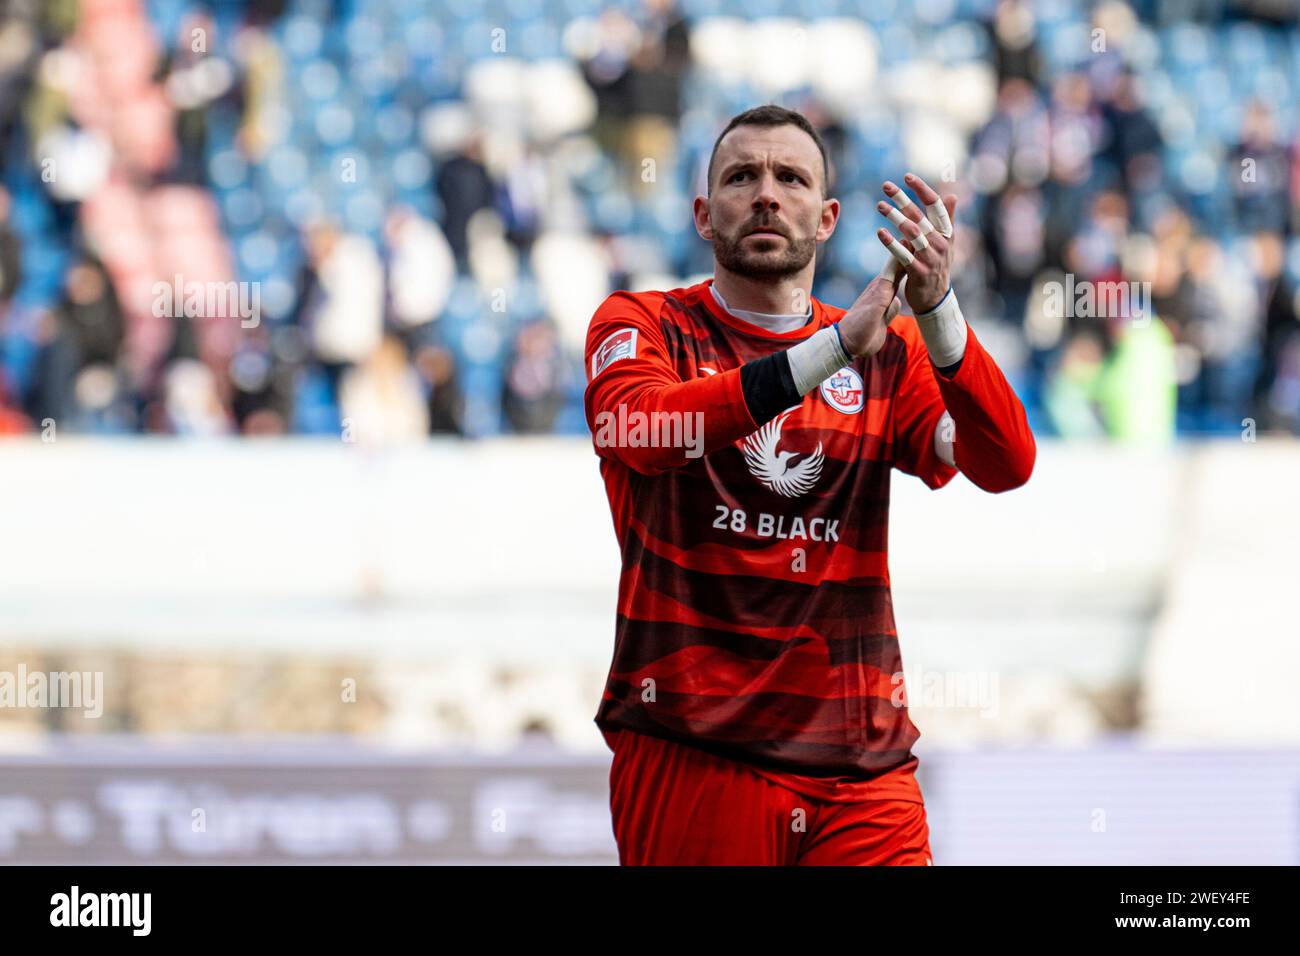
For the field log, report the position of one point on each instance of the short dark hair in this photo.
(772, 115)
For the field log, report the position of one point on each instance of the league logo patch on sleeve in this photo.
(617, 345)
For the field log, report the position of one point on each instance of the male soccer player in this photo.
(746, 433)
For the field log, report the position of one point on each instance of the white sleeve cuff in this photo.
(816, 359)
(944, 330)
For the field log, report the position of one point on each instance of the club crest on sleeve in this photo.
(617, 345)
(844, 391)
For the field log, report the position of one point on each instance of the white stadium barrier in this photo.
(1111, 568)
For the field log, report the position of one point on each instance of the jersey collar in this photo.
(749, 328)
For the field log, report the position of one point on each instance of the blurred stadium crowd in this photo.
(427, 201)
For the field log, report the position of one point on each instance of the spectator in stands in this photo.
(421, 271)
(523, 199)
(381, 399)
(11, 253)
(193, 74)
(1075, 131)
(1014, 146)
(1073, 390)
(1013, 32)
(1094, 253)
(191, 404)
(654, 89)
(663, 22)
(1137, 389)
(261, 387)
(464, 187)
(1277, 390)
(1223, 325)
(85, 331)
(20, 53)
(534, 380)
(1018, 243)
(1259, 169)
(606, 72)
(91, 313)
(441, 382)
(1133, 141)
(342, 302)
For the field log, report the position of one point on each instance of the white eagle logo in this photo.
(772, 467)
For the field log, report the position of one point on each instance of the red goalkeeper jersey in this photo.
(754, 615)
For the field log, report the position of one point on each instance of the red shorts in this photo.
(675, 805)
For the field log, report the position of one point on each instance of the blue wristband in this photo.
(840, 335)
(937, 304)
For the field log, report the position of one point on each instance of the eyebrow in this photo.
(736, 165)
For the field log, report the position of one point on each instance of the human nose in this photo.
(766, 197)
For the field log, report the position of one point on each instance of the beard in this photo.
(758, 260)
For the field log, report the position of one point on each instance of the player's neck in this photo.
(784, 296)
